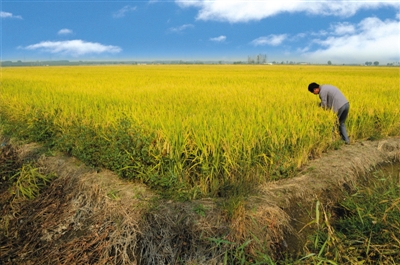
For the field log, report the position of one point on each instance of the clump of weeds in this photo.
(364, 228)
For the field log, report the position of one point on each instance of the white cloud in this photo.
(64, 32)
(73, 47)
(320, 33)
(343, 28)
(218, 39)
(297, 37)
(273, 40)
(123, 11)
(8, 15)
(243, 11)
(181, 28)
(371, 39)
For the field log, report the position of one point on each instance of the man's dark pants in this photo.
(342, 116)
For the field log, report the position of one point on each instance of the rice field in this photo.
(195, 130)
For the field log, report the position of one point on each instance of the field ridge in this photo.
(95, 217)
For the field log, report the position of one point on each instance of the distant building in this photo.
(258, 59)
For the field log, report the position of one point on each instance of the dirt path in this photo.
(335, 169)
(89, 217)
(326, 180)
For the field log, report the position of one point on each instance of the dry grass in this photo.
(85, 217)
(89, 217)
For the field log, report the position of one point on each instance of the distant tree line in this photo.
(376, 63)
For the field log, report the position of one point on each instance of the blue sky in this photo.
(302, 31)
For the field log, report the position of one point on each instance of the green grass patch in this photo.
(364, 228)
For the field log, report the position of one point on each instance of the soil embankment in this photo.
(90, 217)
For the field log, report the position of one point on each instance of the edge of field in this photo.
(94, 217)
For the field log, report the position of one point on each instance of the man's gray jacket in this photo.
(331, 97)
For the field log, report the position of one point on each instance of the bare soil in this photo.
(93, 217)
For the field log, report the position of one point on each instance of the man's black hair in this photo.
(312, 86)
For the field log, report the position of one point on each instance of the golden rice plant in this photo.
(198, 130)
